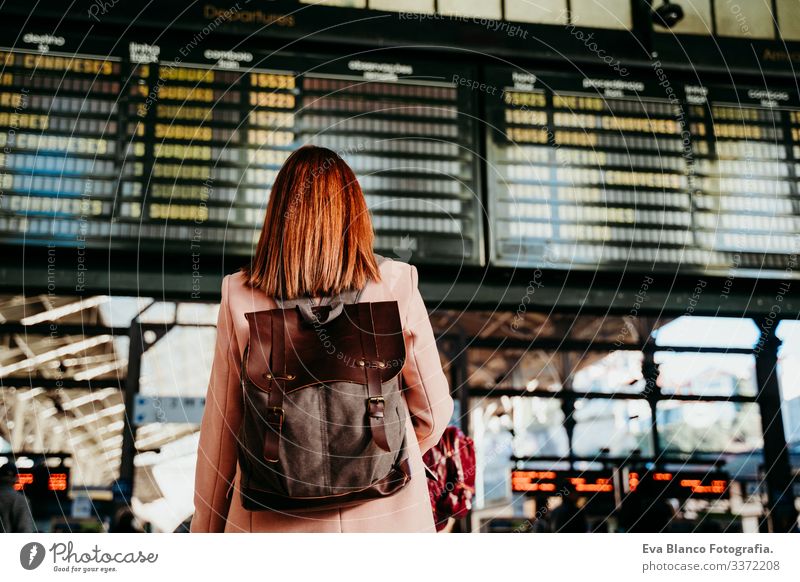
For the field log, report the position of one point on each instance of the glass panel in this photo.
(159, 312)
(539, 427)
(342, 3)
(541, 12)
(120, 311)
(619, 371)
(179, 364)
(535, 369)
(418, 6)
(491, 431)
(696, 19)
(622, 426)
(471, 8)
(745, 19)
(527, 325)
(197, 313)
(688, 427)
(602, 13)
(788, 22)
(538, 424)
(706, 374)
(695, 331)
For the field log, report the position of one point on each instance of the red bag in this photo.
(451, 476)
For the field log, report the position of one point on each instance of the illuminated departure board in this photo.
(173, 149)
(684, 484)
(617, 173)
(162, 148)
(552, 482)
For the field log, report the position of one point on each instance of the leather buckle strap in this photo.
(275, 412)
(275, 415)
(377, 406)
(375, 402)
(274, 418)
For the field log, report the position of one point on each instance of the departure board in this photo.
(164, 149)
(619, 173)
(553, 482)
(745, 202)
(683, 484)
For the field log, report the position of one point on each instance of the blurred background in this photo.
(601, 197)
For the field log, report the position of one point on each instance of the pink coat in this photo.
(216, 499)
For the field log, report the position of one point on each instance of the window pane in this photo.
(789, 23)
(503, 427)
(706, 374)
(590, 371)
(696, 20)
(619, 371)
(688, 427)
(601, 14)
(512, 368)
(417, 6)
(179, 364)
(539, 427)
(471, 8)
(120, 311)
(541, 12)
(197, 313)
(343, 3)
(695, 331)
(491, 430)
(744, 19)
(621, 426)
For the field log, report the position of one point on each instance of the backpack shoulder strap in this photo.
(304, 304)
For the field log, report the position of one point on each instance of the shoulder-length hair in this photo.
(317, 234)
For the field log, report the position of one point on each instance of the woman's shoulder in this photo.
(398, 275)
(236, 289)
(234, 281)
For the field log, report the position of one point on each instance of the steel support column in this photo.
(781, 514)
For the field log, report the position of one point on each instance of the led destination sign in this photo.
(677, 485)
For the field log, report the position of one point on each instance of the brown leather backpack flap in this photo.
(327, 352)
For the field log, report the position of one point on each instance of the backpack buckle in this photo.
(376, 406)
(275, 410)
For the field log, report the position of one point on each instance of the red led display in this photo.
(683, 484)
(42, 480)
(588, 482)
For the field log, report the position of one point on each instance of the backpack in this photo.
(324, 419)
(451, 476)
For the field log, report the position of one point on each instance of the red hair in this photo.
(317, 234)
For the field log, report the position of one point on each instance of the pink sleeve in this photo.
(427, 391)
(217, 452)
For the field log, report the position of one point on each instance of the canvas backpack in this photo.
(324, 421)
